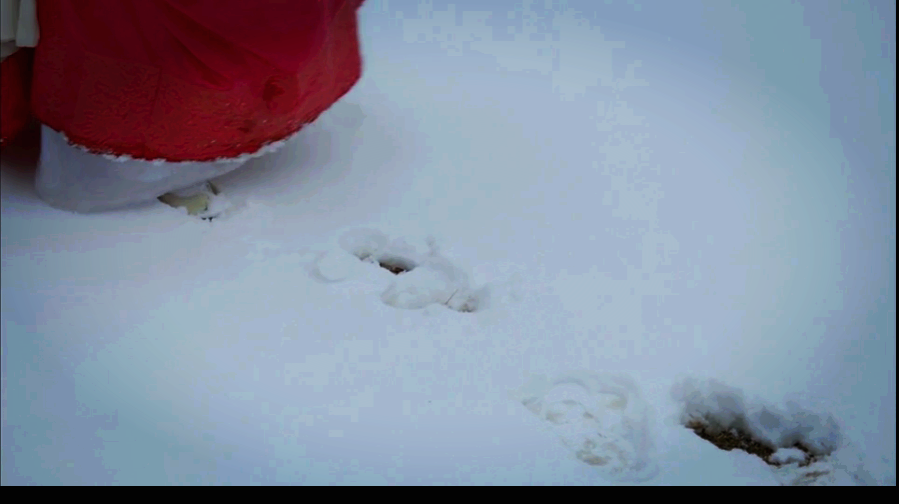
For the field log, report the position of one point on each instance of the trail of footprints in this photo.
(605, 423)
(600, 417)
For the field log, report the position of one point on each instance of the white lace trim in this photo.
(123, 158)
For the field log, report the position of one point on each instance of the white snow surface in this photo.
(614, 217)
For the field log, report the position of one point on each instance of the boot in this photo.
(198, 200)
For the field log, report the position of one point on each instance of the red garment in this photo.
(190, 79)
(15, 77)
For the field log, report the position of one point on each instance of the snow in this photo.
(726, 408)
(788, 455)
(607, 233)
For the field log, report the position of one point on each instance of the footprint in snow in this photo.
(802, 446)
(421, 279)
(601, 418)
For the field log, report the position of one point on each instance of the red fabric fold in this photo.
(208, 42)
(190, 80)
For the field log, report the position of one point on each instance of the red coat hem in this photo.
(125, 108)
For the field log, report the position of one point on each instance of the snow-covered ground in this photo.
(616, 216)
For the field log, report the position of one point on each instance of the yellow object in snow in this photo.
(196, 204)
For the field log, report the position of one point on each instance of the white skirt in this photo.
(18, 26)
(71, 178)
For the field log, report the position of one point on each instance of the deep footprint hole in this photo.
(399, 265)
(738, 439)
(394, 264)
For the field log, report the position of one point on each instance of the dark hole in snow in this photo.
(396, 270)
(736, 439)
(396, 265)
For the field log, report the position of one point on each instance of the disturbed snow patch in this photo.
(723, 416)
(803, 447)
(421, 278)
(374, 247)
(600, 417)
